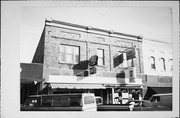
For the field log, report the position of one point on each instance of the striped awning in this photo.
(133, 85)
(76, 86)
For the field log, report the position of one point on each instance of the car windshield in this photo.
(155, 99)
(89, 100)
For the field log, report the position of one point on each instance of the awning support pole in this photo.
(113, 96)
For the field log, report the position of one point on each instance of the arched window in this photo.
(152, 62)
(162, 64)
(171, 64)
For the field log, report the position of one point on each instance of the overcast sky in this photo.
(150, 22)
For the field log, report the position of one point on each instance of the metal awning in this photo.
(76, 86)
(161, 89)
(133, 85)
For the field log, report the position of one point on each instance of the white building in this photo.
(157, 59)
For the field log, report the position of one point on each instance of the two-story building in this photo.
(78, 58)
(157, 56)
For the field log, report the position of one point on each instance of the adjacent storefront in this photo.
(158, 84)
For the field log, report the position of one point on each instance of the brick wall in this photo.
(39, 54)
(89, 43)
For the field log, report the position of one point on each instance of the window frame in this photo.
(153, 65)
(163, 64)
(103, 58)
(171, 64)
(64, 53)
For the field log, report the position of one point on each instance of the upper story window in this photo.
(171, 64)
(162, 64)
(100, 53)
(69, 54)
(152, 62)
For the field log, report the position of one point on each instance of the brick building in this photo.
(65, 50)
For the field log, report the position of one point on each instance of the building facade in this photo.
(157, 56)
(78, 58)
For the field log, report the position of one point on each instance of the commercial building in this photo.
(75, 58)
(157, 56)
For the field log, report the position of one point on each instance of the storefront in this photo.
(158, 84)
(109, 87)
(128, 91)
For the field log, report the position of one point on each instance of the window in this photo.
(171, 64)
(69, 54)
(89, 100)
(100, 53)
(152, 62)
(162, 64)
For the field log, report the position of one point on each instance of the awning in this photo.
(161, 89)
(76, 86)
(133, 85)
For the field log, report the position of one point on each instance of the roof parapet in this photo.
(89, 28)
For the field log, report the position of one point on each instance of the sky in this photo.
(150, 22)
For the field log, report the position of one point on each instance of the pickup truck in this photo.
(112, 107)
(61, 102)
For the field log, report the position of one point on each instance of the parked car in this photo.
(61, 102)
(162, 101)
(141, 105)
(112, 107)
(158, 102)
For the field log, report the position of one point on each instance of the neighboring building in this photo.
(158, 59)
(31, 79)
(68, 54)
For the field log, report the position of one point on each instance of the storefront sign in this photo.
(159, 81)
(89, 79)
(165, 80)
